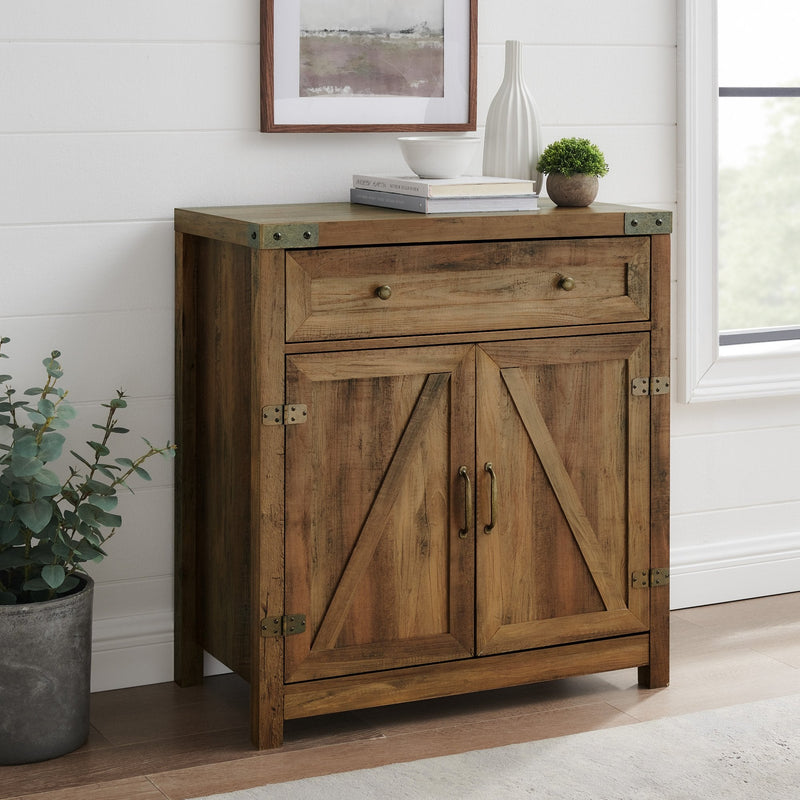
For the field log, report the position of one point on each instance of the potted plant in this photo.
(573, 167)
(50, 527)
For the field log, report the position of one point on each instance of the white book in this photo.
(444, 205)
(465, 186)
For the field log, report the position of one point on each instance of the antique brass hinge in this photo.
(650, 386)
(644, 578)
(291, 414)
(289, 625)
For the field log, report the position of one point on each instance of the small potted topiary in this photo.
(50, 526)
(573, 167)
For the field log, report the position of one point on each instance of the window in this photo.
(753, 368)
(758, 151)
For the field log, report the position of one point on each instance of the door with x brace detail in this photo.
(563, 485)
(377, 555)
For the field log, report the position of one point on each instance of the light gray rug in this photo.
(750, 751)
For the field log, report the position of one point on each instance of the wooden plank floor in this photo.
(156, 742)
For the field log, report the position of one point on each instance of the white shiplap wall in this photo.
(112, 114)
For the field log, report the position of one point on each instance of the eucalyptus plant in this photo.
(51, 526)
(573, 157)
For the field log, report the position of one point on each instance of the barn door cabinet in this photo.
(420, 455)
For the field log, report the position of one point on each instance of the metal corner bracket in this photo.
(289, 236)
(644, 223)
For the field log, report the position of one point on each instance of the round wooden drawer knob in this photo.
(384, 292)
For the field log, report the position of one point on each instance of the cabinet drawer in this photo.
(343, 293)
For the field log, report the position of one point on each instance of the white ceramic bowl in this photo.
(438, 156)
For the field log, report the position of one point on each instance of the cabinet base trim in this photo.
(461, 677)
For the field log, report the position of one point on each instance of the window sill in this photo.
(765, 369)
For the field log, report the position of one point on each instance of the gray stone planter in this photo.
(45, 670)
(575, 191)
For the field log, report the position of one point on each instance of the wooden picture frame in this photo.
(320, 73)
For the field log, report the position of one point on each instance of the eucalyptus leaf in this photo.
(53, 575)
(66, 411)
(36, 585)
(92, 515)
(108, 520)
(90, 552)
(23, 467)
(99, 448)
(21, 492)
(35, 515)
(24, 443)
(80, 458)
(105, 502)
(51, 446)
(62, 550)
(46, 407)
(96, 487)
(91, 536)
(71, 519)
(53, 368)
(69, 584)
(49, 483)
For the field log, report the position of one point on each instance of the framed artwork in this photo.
(368, 65)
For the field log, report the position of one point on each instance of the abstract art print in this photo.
(368, 65)
(371, 49)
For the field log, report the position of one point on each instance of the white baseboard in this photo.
(722, 573)
(134, 650)
(137, 649)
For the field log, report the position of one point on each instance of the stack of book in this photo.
(444, 196)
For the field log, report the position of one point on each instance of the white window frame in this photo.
(707, 371)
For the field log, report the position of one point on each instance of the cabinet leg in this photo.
(266, 696)
(188, 654)
(655, 675)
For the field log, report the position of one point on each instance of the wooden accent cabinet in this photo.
(420, 455)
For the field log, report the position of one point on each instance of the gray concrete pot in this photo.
(575, 191)
(45, 670)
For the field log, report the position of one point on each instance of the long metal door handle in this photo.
(493, 497)
(464, 532)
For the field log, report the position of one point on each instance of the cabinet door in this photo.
(376, 552)
(569, 449)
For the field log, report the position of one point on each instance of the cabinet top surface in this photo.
(342, 224)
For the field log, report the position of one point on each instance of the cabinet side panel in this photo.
(188, 655)
(222, 458)
(657, 673)
(267, 476)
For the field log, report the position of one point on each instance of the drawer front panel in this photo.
(428, 289)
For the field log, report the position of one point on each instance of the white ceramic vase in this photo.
(513, 136)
